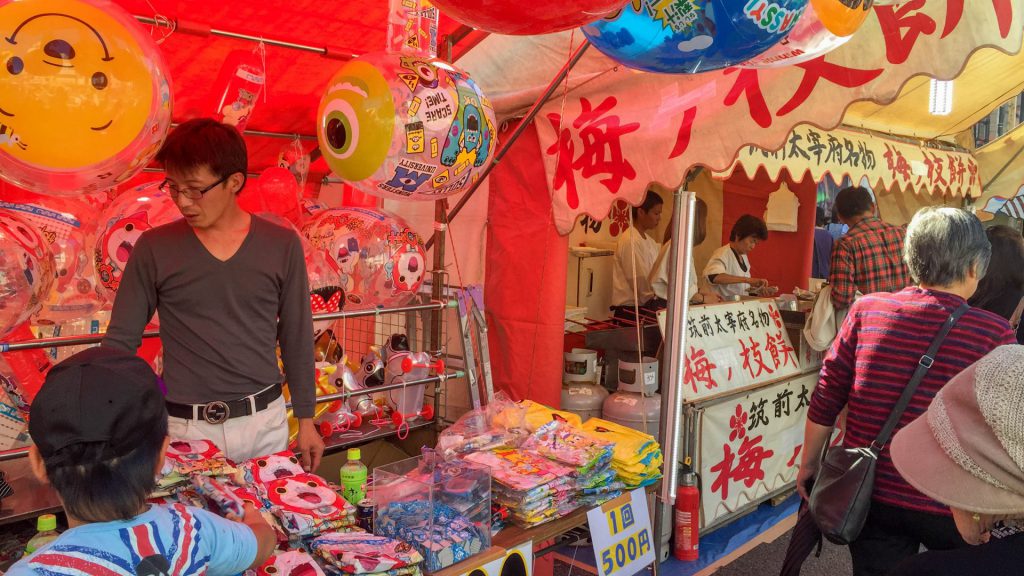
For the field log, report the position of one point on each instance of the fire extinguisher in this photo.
(687, 518)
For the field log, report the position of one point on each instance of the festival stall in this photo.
(370, 127)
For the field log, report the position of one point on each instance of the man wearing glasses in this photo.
(229, 287)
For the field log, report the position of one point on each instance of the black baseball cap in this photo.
(101, 394)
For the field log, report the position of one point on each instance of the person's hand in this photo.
(804, 478)
(711, 297)
(758, 282)
(771, 290)
(310, 446)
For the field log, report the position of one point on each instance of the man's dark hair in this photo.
(1006, 275)
(854, 201)
(748, 225)
(651, 200)
(204, 142)
(819, 217)
(97, 490)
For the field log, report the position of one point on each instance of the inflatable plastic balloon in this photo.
(26, 271)
(382, 260)
(526, 18)
(85, 100)
(124, 220)
(695, 35)
(405, 127)
(73, 294)
(814, 34)
(325, 292)
(242, 77)
(275, 191)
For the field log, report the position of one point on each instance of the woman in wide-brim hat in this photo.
(967, 451)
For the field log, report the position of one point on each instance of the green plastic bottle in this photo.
(47, 527)
(353, 478)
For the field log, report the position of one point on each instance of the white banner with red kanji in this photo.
(735, 345)
(749, 447)
(608, 137)
(885, 162)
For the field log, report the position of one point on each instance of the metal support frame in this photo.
(680, 256)
(534, 110)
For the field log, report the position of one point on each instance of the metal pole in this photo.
(680, 258)
(576, 56)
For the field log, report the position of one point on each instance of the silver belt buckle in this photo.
(216, 412)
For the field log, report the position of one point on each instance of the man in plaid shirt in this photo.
(870, 257)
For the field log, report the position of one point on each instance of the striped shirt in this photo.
(868, 259)
(873, 359)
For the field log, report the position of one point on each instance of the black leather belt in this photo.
(218, 411)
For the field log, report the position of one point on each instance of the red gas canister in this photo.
(687, 519)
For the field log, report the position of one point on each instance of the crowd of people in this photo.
(954, 472)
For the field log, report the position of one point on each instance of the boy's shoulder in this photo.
(155, 539)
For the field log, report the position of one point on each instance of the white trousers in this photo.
(242, 438)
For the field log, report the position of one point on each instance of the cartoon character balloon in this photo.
(85, 100)
(401, 126)
(69, 236)
(825, 26)
(693, 36)
(526, 18)
(124, 220)
(382, 260)
(26, 271)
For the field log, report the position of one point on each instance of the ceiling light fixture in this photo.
(940, 97)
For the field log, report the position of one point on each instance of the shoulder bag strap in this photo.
(1015, 319)
(923, 365)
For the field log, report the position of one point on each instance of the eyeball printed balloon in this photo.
(74, 292)
(693, 36)
(825, 26)
(406, 127)
(122, 222)
(85, 100)
(526, 18)
(382, 260)
(26, 271)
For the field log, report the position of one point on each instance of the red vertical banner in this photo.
(527, 264)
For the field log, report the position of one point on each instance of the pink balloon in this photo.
(275, 191)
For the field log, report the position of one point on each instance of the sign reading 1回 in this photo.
(621, 533)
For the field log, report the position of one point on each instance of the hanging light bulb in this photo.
(940, 97)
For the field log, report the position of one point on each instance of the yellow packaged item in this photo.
(531, 415)
(631, 445)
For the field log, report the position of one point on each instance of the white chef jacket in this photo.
(724, 261)
(659, 276)
(622, 276)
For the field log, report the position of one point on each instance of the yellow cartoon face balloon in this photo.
(842, 17)
(84, 99)
(357, 117)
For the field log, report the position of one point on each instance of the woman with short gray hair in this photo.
(873, 358)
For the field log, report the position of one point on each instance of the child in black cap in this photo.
(100, 429)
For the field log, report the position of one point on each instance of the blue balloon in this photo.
(692, 36)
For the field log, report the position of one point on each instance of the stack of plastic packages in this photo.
(535, 489)
(636, 458)
(188, 458)
(361, 554)
(303, 504)
(590, 458)
(443, 508)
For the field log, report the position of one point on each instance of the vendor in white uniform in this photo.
(635, 253)
(728, 270)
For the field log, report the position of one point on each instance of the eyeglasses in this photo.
(168, 187)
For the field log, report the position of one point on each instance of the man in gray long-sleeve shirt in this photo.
(228, 287)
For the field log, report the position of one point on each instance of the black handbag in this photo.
(841, 495)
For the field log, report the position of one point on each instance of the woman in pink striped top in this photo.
(872, 360)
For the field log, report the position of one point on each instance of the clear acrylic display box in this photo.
(441, 508)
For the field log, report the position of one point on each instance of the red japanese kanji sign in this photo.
(619, 129)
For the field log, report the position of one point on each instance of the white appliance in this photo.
(590, 281)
